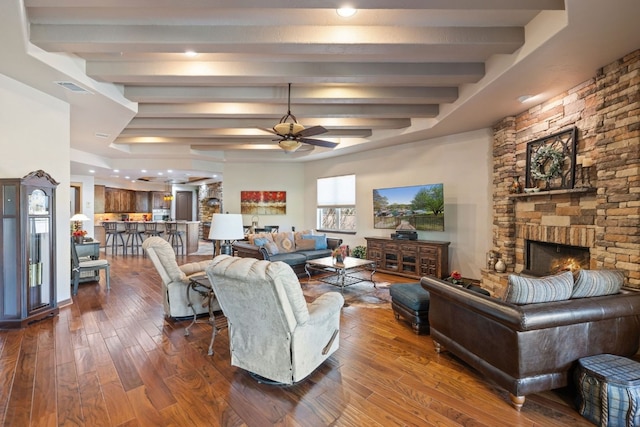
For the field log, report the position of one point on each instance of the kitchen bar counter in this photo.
(190, 228)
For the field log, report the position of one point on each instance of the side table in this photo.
(202, 286)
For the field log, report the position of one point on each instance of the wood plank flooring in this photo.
(111, 359)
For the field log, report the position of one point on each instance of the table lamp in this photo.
(226, 227)
(78, 219)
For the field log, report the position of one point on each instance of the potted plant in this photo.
(359, 252)
(78, 236)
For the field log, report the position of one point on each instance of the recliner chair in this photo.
(175, 280)
(273, 333)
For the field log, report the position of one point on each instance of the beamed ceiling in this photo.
(396, 72)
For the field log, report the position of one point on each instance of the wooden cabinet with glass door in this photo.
(27, 226)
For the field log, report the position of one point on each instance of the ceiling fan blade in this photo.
(313, 130)
(318, 142)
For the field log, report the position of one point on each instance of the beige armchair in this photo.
(273, 333)
(175, 280)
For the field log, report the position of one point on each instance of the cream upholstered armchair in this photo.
(175, 279)
(273, 333)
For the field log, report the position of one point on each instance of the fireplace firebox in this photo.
(544, 259)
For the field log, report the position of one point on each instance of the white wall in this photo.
(86, 200)
(266, 176)
(461, 162)
(35, 135)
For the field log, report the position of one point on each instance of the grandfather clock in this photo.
(27, 233)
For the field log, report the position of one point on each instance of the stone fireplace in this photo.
(602, 219)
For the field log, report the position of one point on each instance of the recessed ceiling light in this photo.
(346, 12)
(143, 170)
(92, 171)
(191, 53)
(127, 177)
(169, 170)
(116, 170)
(159, 173)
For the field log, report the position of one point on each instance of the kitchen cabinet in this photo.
(28, 230)
(98, 199)
(118, 200)
(158, 201)
(142, 201)
(409, 258)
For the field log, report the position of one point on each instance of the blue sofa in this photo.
(293, 248)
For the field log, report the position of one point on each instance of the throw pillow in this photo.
(319, 239)
(529, 290)
(260, 241)
(285, 242)
(305, 245)
(272, 248)
(593, 283)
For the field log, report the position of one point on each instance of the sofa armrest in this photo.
(333, 242)
(537, 316)
(244, 249)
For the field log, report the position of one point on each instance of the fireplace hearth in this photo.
(544, 259)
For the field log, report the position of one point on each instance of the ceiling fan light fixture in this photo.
(284, 128)
(289, 145)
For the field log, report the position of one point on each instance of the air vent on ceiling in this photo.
(73, 87)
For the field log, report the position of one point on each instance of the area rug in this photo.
(362, 294)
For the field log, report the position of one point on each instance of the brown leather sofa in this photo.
(530, 348)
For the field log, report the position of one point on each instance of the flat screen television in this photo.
(421, 206)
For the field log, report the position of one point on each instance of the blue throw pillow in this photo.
(320, 239)
(260, 241)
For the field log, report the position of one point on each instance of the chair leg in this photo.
(76, 281)
(106, 271)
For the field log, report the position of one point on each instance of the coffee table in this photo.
(341, 274)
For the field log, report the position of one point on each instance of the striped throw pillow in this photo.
(530, 290)
(593, 283)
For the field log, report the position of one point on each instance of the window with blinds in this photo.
(336, 203)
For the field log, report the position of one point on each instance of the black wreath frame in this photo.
(563, 142)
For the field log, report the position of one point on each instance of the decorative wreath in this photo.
(546, 155)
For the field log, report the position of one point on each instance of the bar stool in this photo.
(112, 234)
(134, 237)
(151, 229)
(174, 237)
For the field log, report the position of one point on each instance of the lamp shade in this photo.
(289, 145)
(80, 217)
(226, 227)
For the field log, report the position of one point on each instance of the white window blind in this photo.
(337, 191)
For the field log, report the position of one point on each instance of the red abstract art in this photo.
(263, 202)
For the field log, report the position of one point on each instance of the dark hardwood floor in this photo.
(112, 359)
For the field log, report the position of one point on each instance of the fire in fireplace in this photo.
(543, 259)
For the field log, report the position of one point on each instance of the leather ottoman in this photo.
(609, 390)
(410, 302)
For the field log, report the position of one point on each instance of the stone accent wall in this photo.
(206, 212)
(606, 112)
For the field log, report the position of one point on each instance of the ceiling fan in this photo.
(292, 134)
